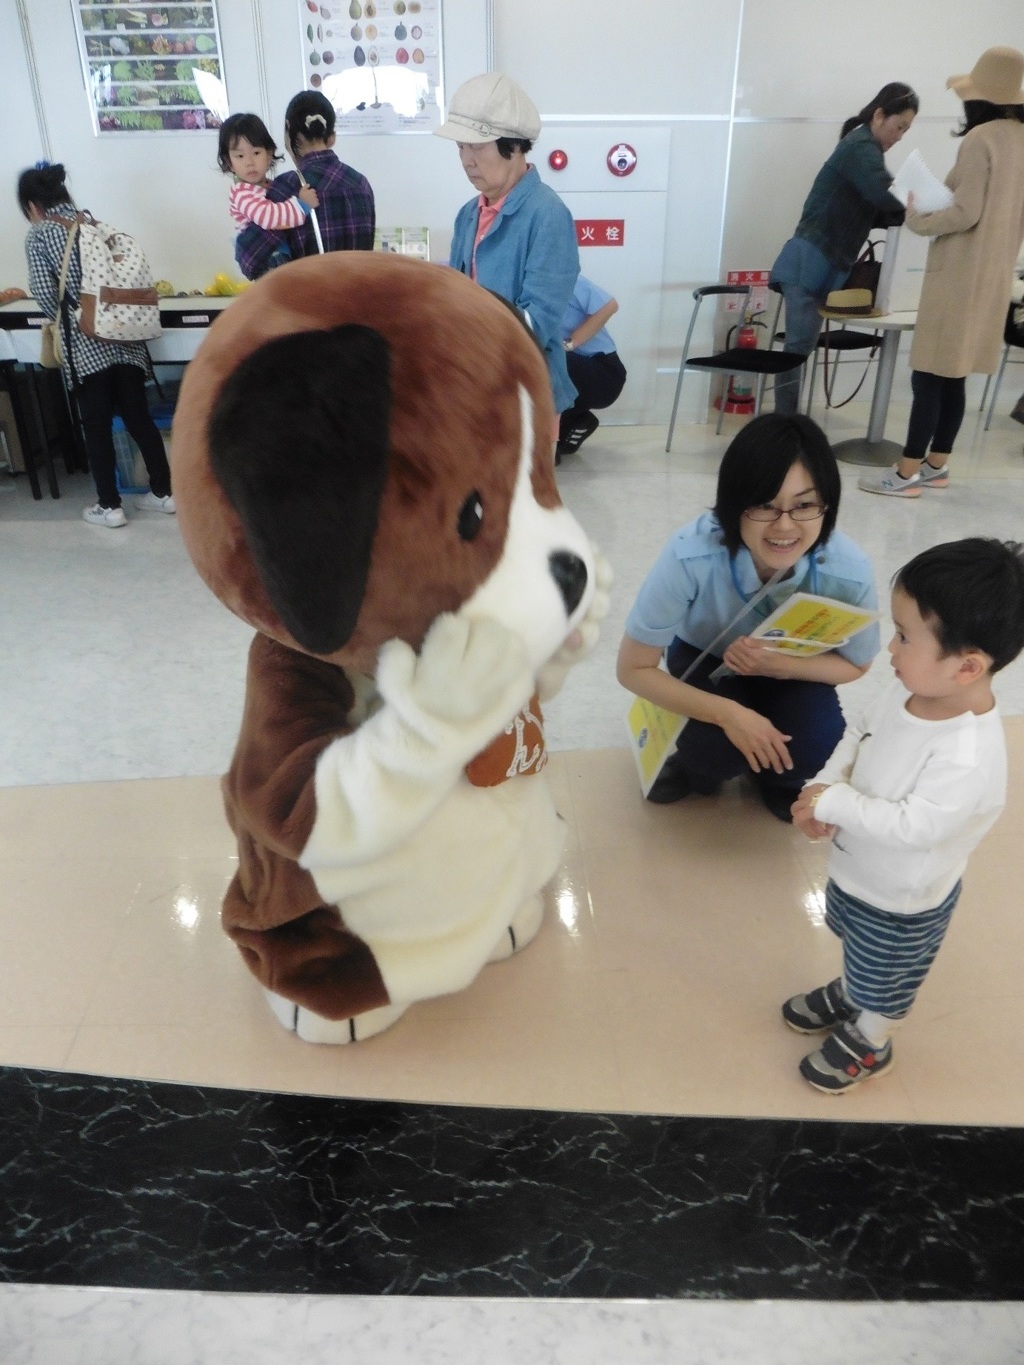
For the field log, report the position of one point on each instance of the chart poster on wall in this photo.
(152, 67)
(377, 61)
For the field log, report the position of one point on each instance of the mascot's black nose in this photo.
(570, 573)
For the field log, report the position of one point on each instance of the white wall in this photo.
(751, 91)
(672, 61)
(19, 141)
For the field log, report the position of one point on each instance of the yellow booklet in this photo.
(652, 737)
(807, 624)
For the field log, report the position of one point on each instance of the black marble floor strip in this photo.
(149, 1185)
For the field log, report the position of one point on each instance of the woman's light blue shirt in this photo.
(587, 299)
(689, 592)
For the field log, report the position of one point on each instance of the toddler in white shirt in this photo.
(905, 798)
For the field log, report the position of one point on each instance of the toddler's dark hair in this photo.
(971, 593)
(255, 132)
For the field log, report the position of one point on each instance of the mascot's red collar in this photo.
(517, 752)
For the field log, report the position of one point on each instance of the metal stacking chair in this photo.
(1013, 335)
(841, 339)
(734, 360)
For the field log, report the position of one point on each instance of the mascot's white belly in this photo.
(434, 907)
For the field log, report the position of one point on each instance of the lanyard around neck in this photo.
(752, 599)
(749, 603)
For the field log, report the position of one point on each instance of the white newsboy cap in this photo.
(488, 107)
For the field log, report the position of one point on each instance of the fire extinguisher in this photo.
(740, 395)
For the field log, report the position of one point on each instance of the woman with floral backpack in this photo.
(105, 378)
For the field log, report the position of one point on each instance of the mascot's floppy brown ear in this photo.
(299, 442)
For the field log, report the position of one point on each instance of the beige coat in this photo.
(970, 264)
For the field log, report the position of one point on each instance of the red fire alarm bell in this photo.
(621, 159)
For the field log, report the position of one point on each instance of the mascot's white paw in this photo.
(469, 678)
(313, 1028)
(528, 919)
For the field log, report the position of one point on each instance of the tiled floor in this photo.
(673, 933)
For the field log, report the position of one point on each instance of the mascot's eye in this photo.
(471, 517)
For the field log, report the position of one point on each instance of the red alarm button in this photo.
(621, 160)
(558, 160)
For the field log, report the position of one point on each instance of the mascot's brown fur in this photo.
(363, 471)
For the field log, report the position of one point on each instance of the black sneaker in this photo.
(844, 1060)
(779, 800)
(818, 1010)
(671, 784)
(572, 435)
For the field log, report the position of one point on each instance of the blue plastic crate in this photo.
(127, 452)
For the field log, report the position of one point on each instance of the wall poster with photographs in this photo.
(377, 61)
(152, 67)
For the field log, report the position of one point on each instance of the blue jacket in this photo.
(850, 192)
(530, 258)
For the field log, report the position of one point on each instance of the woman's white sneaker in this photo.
(151, 503)
(105, 516)
(933, 478)
(890, 483)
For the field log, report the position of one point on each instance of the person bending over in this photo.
(849, 197)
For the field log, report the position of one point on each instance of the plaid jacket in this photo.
(347, 216)
(44, 248)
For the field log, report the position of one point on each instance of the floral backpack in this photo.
(118, 299)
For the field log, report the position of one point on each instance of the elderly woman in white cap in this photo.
(969, 270)
(516, 238)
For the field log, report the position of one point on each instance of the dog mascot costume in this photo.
(363, 472)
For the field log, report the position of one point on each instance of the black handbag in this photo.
(858, 295)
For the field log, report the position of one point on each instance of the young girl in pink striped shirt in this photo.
(247, 151)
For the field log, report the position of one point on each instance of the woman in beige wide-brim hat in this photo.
(969, 270)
